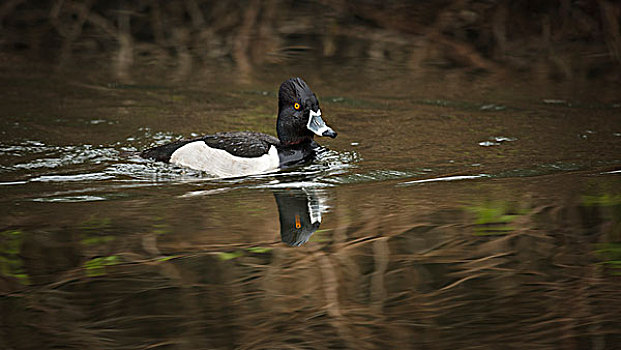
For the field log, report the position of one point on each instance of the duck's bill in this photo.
(318, 126)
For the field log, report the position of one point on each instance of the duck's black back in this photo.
(240, 144)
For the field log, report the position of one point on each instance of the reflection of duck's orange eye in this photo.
(296, 106)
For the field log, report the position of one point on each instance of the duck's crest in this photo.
(294, 89)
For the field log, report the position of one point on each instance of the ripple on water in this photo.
(114, 168)
(71, 199)
(72, 178)
(57, 156)
(373, 175)
(496, 141)
(25, 148)
(123, 167)
(446, 178)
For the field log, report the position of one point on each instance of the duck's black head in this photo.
(299, 116)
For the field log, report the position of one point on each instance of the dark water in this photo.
(453, 211)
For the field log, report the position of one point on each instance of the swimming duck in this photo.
(241, 153)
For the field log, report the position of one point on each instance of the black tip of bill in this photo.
(329, 133)
(318, 126)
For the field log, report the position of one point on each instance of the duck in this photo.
(243, 153)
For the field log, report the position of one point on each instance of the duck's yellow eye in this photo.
(296, 106)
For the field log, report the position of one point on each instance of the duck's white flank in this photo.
(218, 162)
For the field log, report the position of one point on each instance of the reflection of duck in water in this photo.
(300, 214)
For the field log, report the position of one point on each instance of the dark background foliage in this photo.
(563, 39)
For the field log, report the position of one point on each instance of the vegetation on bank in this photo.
(561, 38)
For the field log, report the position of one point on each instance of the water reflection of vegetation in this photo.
(96, 266)
(606, 200)
(419, 275)
(11, 263)
(238, 253)
(608, 209)
(160, 227)
(96, 231)
(495, 217)
(610, 256)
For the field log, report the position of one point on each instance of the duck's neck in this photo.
(290, 132)
(296, 141)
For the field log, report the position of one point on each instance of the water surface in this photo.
(451, 211)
